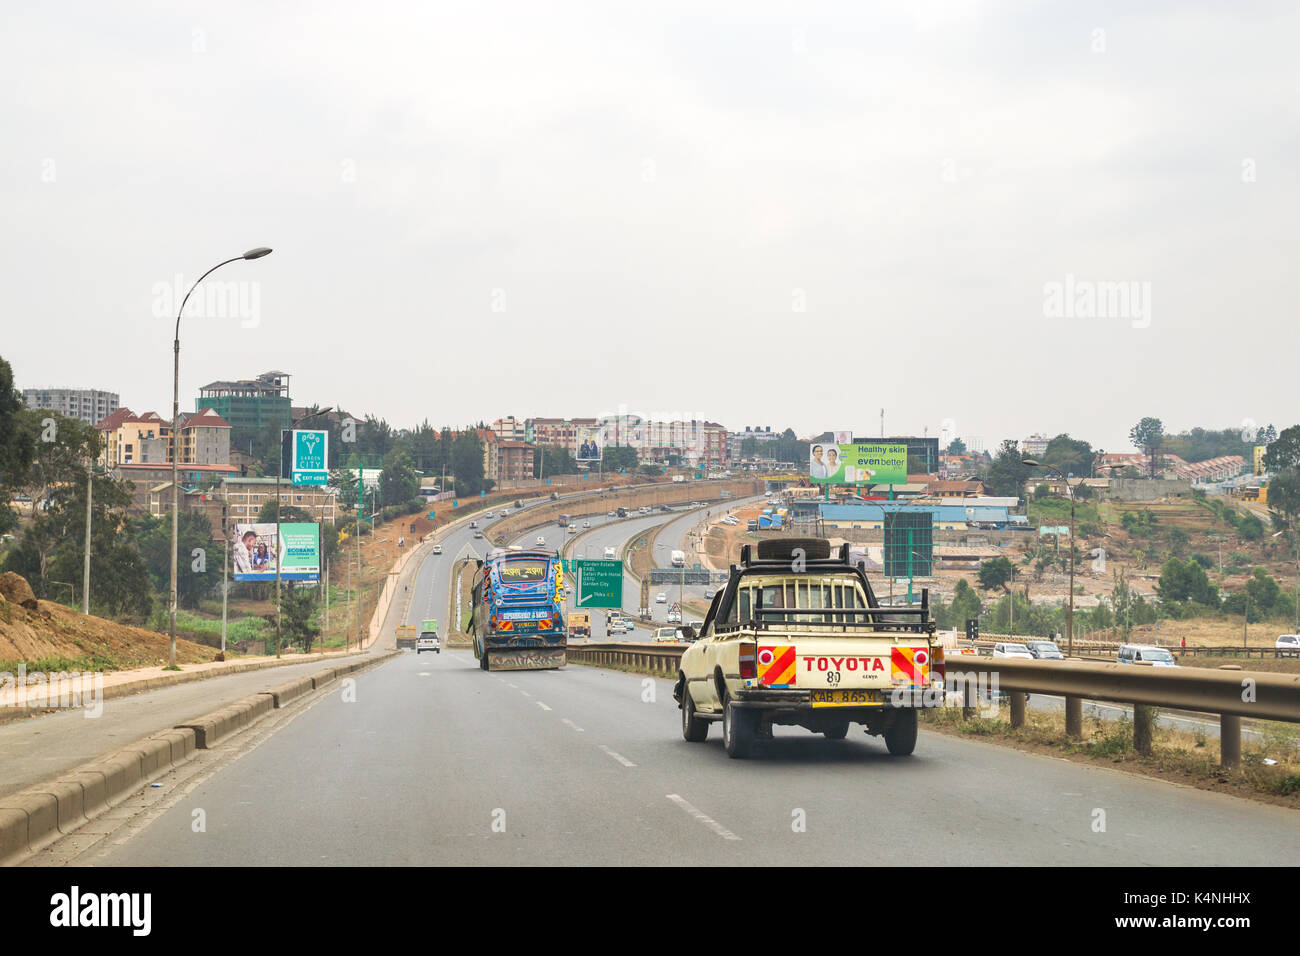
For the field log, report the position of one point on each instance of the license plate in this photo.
(844, 698)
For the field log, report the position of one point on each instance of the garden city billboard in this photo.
(255, 552)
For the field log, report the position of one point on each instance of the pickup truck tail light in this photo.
(748, 661)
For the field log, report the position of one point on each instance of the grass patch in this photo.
(50, 665)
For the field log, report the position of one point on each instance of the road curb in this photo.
(33, 818)
(147, 684)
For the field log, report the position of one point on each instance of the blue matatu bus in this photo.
(517, 605)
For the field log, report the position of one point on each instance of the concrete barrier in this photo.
(212, 728)
(291, 690)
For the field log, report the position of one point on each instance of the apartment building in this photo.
(514, 460)
(145, 439)
(89, 405)
(244, 497)
(249, 403)
(511, 429)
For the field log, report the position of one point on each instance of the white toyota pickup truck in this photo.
(798, 637)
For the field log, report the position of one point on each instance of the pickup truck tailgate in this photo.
(843, 664)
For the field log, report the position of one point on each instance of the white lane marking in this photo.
(566, 720)
(508, 684)
(541, 705)
(525, 693)
(423, 674)
(708, 821)
(617, 756)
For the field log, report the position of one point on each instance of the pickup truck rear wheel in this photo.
(739, 727)
(900, 738)
(694, 729)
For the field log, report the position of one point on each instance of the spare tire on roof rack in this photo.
(782, 549)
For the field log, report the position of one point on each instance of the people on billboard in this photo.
(589, 450)
(817, 468)
(243, 552)
(832, 460)
(262, 559)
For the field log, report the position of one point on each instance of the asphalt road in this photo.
(439, 763)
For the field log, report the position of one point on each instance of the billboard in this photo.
(870, 463)
(255, 552)
(304, 456)
(589, 444)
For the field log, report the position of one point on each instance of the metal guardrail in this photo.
(655, 658)
(1107, 649)
(1238, 693)
(1230, 694)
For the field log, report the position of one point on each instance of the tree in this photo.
(1041, 491)
(556, 460)
(52, 547)
(1186, 581)
(1147, 435)
(618, 457)
(347, 482)
(398, 482)
(467, 464)
(289, 514)
(965, 602)
(1250, 528)
(1284, 452)
(199, 562)
(1069, 456)
(17, 444)
(995, 573)
(956, 447)
(298, 610)
(1121, 599)
(1284, 498)
(1008, 473)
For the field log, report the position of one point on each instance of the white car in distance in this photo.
(1008, 649)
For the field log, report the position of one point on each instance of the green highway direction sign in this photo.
(599, 583)
(311, 457)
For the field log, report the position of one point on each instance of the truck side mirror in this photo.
(688, 633)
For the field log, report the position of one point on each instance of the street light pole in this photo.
(176, 424)
(85, 573)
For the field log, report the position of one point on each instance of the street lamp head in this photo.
(1032, 463)
(257, 253)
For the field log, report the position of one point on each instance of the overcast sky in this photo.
(784, 214)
